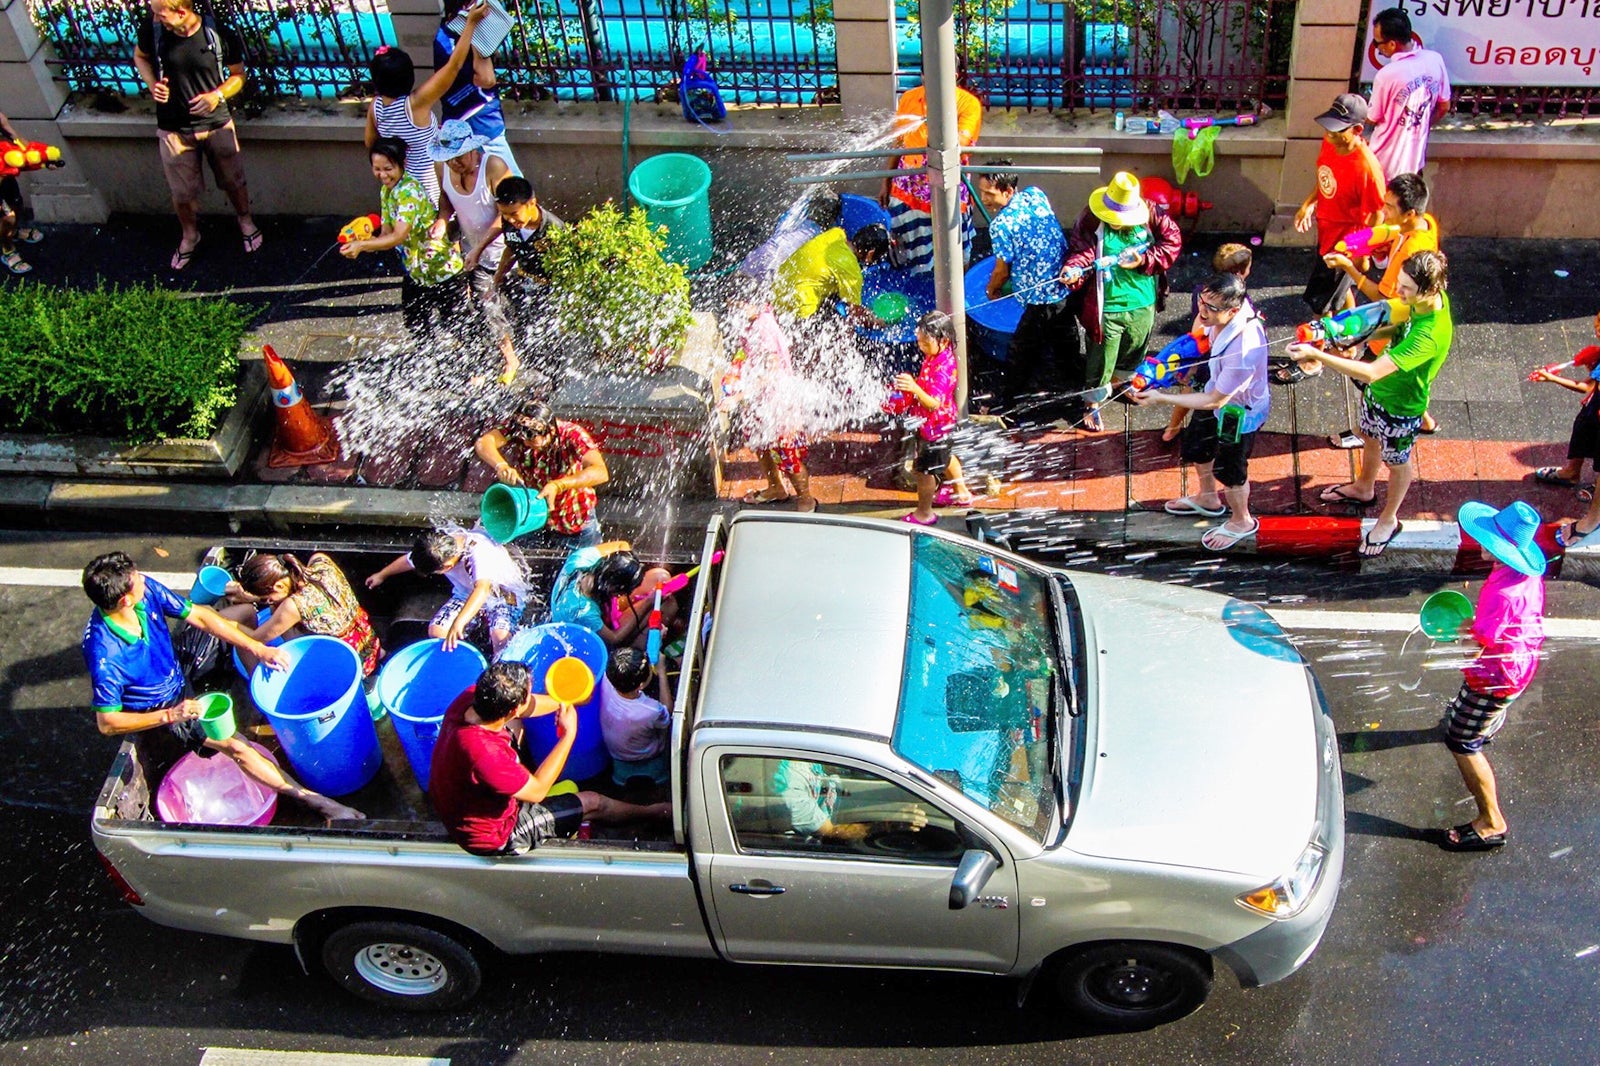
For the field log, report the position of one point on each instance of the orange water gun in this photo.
(360, 229)
(28, 155)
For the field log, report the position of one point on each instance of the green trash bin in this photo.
(675, 190)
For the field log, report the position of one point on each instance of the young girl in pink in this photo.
(932, 396)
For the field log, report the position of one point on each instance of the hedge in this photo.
(136, 364)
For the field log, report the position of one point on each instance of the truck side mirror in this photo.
(974, 871)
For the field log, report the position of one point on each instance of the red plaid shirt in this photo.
(563, 458)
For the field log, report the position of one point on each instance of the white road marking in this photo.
(40, 577)
(225, 1056)
(1404, 622)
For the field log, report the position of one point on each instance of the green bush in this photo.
(136, 364)
(613, 292)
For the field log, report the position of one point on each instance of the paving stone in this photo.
(442, 464)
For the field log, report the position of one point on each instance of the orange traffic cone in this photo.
(303, 437)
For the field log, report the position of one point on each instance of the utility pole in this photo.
(944, 174)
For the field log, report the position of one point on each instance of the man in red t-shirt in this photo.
(1348, 196)
(488, 801)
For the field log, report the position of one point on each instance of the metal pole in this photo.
(944, 174)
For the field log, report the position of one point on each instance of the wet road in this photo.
(1431, 957)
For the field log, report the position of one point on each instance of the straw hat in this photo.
(1507, 534)
(1120, 203)
(455, 138)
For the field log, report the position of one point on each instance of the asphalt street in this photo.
(1430, 958)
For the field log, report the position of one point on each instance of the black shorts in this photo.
(555, 816)
(11, 193)
(1325, 288)
(1585, 442)
(933, 456)
(1200, 444)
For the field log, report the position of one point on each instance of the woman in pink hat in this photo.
(1119, 304)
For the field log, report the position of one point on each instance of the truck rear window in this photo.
(978, 704)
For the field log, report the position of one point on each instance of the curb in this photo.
(1423, 546)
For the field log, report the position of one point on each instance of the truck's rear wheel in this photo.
(396, 964)
(1128, 985)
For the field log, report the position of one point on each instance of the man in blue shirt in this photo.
(472, 97)
(1029, 247)
(138, 684)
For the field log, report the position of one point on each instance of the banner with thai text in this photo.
(1505, 42)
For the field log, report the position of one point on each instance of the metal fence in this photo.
(1522, 101)
(760, 51)
(307, 48)
(1133, 55)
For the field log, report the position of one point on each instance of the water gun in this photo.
(360, 229)
(1550, 368)
(1195, 125)
(652, 643)
(670, 587)
(1160, 370)
(29, 155)
(1363, 242)
(1104, 264)
(1350, 328)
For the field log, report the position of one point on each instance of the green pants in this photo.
(1120, 347)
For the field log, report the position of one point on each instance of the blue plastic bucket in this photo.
(417, 685)
(210, 585)
(539, 647)
(262, 614)
(319, 711)
(675, 189)
(990, 324)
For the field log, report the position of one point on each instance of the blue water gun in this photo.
(1161, 370)
(1104, 264)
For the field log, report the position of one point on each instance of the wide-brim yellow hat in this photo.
(1120, 203)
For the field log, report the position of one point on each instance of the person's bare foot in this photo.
(805, 504)
(332, 810)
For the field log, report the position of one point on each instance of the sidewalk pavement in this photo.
(1514, 310)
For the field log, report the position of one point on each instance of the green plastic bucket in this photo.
(509, 511)
(675, 190)
(1444, 613)
(890, 307)
(216, 715)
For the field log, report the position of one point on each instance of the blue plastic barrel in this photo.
(990, 325)
(539, 647)
(856, 212)
(319, 711)
(675, 189)
(262, 614)
(417, 685)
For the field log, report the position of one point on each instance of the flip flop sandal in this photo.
(1335, 494)
(1221, 538)
(1186, 505)
(1371, 549)
(1288, 374)
(1347, 441)
(1546, 475)
(1569, 537)
(1468, 839)
(180, 258)
(914, 520)
(252, 241)
(14, 262)
(30, 235)
(1092, 423)
(1430, 430)
(759, 498)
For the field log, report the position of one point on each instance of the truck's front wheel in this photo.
(396, 964)
(1128, 985)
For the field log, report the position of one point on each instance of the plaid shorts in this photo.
(496, 613)
(1397, 433)
(1473, 718)
(555, 816)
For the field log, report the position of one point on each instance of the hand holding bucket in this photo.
(210, 585)
(1444, 614)
(510, 511)
(216, 715)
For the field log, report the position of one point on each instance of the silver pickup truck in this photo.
(892, 748)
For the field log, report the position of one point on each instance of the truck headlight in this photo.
(1287, 896)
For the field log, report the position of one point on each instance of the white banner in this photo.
(1505, 42)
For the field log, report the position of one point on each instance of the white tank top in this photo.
(394, 120)
(475, 212)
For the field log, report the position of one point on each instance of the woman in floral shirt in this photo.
(314, 597)
(434, 293)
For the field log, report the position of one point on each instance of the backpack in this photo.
(698, 92)
(208, 26)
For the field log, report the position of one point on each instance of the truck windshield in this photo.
(981, 702)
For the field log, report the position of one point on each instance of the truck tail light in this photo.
(119, 882)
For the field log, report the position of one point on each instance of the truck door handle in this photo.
(757, 888)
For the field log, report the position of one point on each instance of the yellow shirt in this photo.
(1422, 240)
(820, 271)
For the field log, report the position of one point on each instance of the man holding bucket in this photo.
(557, 459)
(138, 685)
(488, 801)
